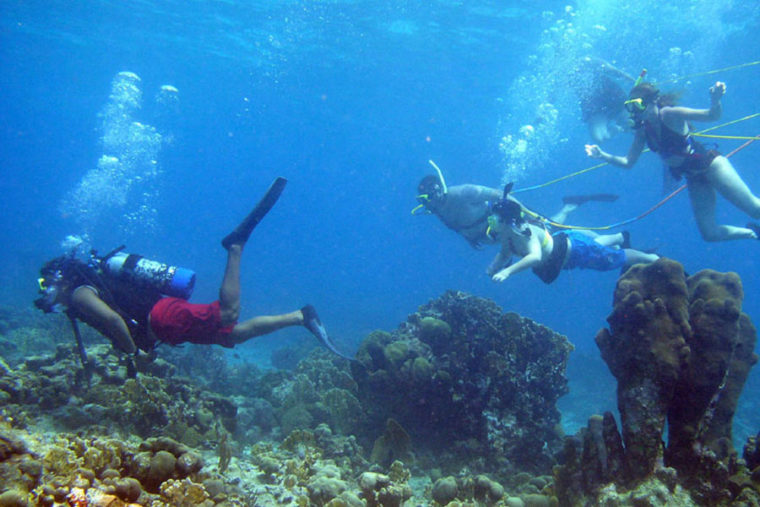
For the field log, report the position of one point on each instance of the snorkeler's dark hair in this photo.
(428, 183)
(650, 94)
(508, 210)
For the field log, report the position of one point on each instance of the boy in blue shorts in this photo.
(548, 254)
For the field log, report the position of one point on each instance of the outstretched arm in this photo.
(639, 141)
(530, 260)
(85, 300)
(675, 113)
(501, 258)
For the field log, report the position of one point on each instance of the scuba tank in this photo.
(168, 280)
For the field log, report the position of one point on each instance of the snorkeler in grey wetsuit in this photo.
(465, 208)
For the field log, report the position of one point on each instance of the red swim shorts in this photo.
(175, 321)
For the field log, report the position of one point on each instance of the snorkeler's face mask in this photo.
(493, 226)
(425, 200)
(505, 211)
(48, 288)
(635, 106)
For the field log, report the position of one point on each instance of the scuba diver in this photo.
(465, 208)
(139, 303)
(665, 129)
(548, 254)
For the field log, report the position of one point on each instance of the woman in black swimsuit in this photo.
(664, 128)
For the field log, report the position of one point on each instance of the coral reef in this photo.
(72, 470)
(455, 407)
(681, 350)
(187, 428)
(499, 374)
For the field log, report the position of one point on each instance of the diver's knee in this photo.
(229, 315)
(710, 234)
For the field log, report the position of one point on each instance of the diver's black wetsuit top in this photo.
(697, 158)
(132, 301)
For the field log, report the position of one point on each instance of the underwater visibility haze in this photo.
(158, 124)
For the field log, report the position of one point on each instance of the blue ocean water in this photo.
(348, 100)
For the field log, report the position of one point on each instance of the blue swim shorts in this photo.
(585, 253)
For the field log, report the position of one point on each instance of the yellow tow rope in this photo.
(701, 133)
(707, 73)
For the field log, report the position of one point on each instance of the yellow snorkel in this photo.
(640, 79)
(422, 198)
(493, 221)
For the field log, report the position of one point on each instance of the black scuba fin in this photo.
(244, 229)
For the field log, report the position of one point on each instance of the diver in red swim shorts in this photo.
(132, 307)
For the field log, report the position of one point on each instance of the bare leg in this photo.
(264, 324)
(229, 301)
(638, 257)
(703, 198)
(229, 293)
(561, 215)
(724, 178)
(610, 239)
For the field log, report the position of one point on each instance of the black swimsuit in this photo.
(697, 159)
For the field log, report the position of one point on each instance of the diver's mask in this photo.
(49, 288)
(426, 199)
(635, 106)
(516, 224)
(493, 226)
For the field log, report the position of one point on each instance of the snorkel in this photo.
(639, 100)
(636, 105)
(440, 177)
(640, 79)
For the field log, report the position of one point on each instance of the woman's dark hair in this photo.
(73, 271)
(649, 93)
